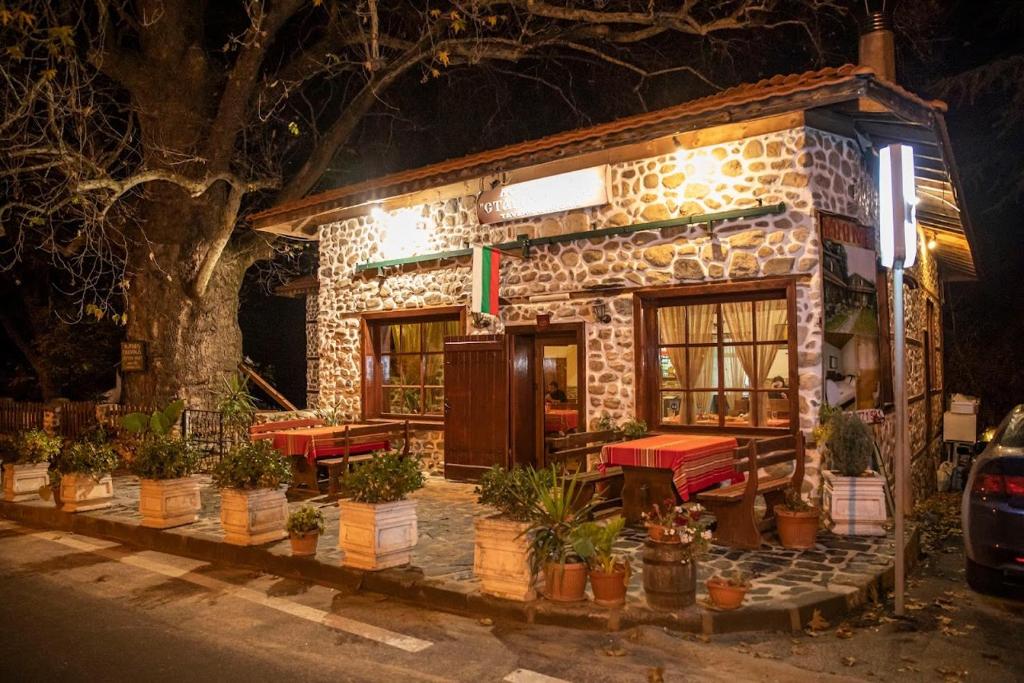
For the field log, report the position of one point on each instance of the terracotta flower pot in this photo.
(725, 596)
(797, 530)
(662, 534)
(609, 587)
(304, 545)
(565, 582)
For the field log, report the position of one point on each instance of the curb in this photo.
(409, 584)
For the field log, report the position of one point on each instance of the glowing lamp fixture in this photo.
(932, 242)
(402, 232)
(896, 206)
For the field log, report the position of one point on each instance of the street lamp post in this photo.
(898, 241)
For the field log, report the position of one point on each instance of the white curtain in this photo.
(757, 360)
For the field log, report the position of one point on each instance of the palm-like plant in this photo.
(557, 511)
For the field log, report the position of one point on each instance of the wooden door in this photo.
(524, 396)
(476, 406)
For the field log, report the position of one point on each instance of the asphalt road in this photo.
(74, 608)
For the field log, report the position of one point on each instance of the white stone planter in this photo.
(855, 506)
(165, 503)
(22, 482)
(82, 492)
(377, 536)
(253, 516)
(501, 559)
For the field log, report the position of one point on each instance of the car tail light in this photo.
(992, 484)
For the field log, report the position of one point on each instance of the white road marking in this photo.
(317, 616)
(527, 676)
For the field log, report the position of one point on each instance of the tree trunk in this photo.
(191, 343)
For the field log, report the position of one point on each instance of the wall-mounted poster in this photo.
(851, 351)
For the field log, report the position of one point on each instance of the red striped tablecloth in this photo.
(697, 461)
(320, 442)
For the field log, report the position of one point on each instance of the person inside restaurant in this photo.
(555, 393)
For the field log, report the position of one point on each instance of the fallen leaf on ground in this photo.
(615, 651)
(486, 621)
(656, 675)
(844, 632)
(817, 622)
(849, 661)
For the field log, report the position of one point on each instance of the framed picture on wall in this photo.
(853, 376)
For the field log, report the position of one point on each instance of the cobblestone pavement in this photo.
(836, 565)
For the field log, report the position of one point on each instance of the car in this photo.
(992, 511)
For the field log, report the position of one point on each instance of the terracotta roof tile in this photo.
(776, 86)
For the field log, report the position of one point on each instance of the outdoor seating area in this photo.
(834, 568)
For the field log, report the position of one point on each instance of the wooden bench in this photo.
(733, 506)
(570, 454)
(350, 447)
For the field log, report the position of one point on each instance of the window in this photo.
(404, 370)
(719, 361)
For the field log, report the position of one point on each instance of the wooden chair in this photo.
(733, 506)
(570, 454)
(355, 444)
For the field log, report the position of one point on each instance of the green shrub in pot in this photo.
(511, 491)
(386, 478)
(33, 447)
(850, 445)
(306, 520)
(92, 457)
(163, 457)
(255, 465)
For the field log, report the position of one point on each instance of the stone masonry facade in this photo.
(806, 169)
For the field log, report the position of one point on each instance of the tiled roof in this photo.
(774, 87)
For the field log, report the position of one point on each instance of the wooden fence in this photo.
(17, 417)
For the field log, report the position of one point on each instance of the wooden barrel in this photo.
(670, 576)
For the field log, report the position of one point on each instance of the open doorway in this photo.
(548, 386)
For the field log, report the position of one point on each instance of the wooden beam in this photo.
(266, 386)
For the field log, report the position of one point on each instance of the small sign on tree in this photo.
(133, 356)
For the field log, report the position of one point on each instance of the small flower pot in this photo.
(797, 530)
(609, 587)
(565, 582)
(83, 492)
(724, 595)
(304, 544)
(22, 482)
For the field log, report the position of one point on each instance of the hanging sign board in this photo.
(562, 192)
(133, 356)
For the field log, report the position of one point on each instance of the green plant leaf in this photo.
(136, 423)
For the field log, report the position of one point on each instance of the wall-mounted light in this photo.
(600, 310)
(481, 321)
(403, 232)
(897, 199)
(932, 242)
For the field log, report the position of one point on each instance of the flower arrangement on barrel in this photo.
(677, 536)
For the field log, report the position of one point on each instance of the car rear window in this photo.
(1012, 433)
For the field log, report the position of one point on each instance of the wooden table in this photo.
(301, 445)
(660, 467)
(560, 420)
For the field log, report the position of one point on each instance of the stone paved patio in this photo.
(836, 566)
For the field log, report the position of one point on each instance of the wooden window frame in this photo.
(370, 351)
(647, 368)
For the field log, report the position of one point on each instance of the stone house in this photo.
(688, 291)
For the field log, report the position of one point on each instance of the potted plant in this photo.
(304, 528)
(236, 406)
(609, 571)
(253, 507)
(670, 560)
(853, 497)
(378, 527)
(633, 428)
(727, 592)
(168, 494)
(26, 462)
(84, 468)
(501, 545)
(557, 514)
(797, 521)
(663, 521)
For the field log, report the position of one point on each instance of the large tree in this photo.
(137, 134)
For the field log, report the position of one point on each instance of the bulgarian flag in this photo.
(485, 280)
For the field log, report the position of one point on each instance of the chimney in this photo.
(878, 51)
(878, 46)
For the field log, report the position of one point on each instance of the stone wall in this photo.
(807, 169)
